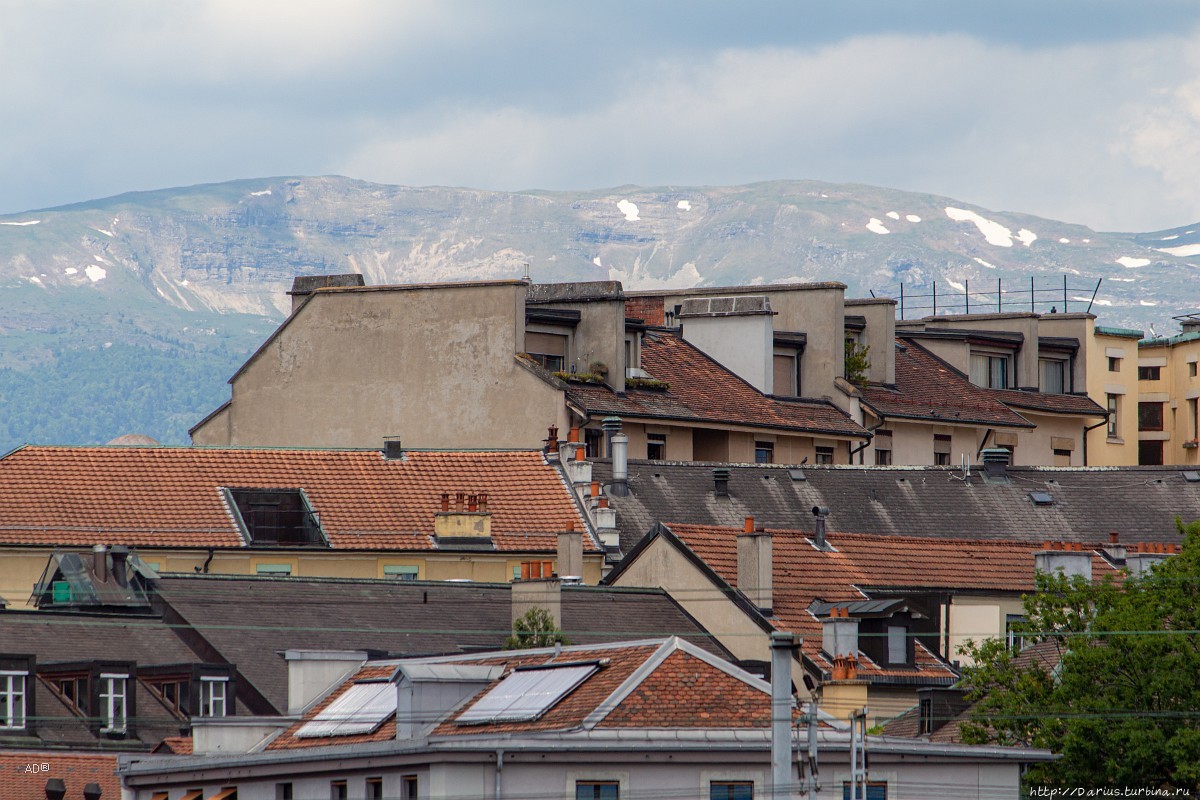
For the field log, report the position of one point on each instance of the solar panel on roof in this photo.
(361, 709)
(526, 694)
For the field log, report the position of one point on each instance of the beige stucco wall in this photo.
(1035, 446)
(1026, 368)
(1121, 450)
(599, 337)
(879, 335)
(743, 344)
(977, 619)
(21, 568)
(434, 366)
(912, 442)
(1174, 387)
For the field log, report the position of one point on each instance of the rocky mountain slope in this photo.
(129, 313)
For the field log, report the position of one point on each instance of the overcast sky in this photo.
(1083, 111)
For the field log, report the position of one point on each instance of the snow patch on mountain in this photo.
(983, 263)
(912, 218)
(630, 210)
(684, 205)
(1183, 250)
(893, 215)
(22, 224)
(96, 274)
(1026, 236)
(993, 232)
(1129, 262)
(876, 226)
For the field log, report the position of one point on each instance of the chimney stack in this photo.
(120, 556)
(754, 567)
(839, 634)
(1069, 558)
(100, 562)
(619, 447)
(570, 554)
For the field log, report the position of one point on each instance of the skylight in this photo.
(361, 709)
(1041, 498)
(526, 694)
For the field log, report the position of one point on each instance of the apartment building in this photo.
(1168, 425)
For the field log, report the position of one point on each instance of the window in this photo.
(274, 569)
(75, 689)
(1062, 458)
(1149, 373)
(402, 572)
(362, 708)
(1150, 453)
(213, 696)
(1013, 625)
(1113, 406)
(1114, 364)
(1150, 416)
(338, 790)
(941, 449)
(925, 716)
(764, 452)
(824, 455)
(374, 788)
(173, 691)
(277, 517)
(283, 791)
(990, 371)
(1192, 426)
(731, 790)
(1191, 369)
(883, 448)
(875, 791)
(547, 349)
(12, 698)
(408, 787)
(656, 446)
(593, 442)
(785, 381)
(113, 718)
(1055, 378)
(597, 790)
(897, 638)
(525, 694)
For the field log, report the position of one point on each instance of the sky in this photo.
(1086, 111)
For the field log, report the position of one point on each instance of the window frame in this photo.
(596, 784)
(731, 787)
(410, 786)
(993, 359)
(1063, 366)
(656, 442)
(1151, 421)
(1113, 405)
(1114, 363)
(824, 454)
(764, 452)
(208, 696)
(113, 693)
(15, 715)
(1149, 373)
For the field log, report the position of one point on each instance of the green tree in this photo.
(534, 628)
(857, 362)
(1117, 690)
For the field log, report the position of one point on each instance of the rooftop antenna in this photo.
(526, 277)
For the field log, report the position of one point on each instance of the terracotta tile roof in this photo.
(24, 778)
(171, 496)
(288, 740)
(673, 686)
(803, 574)
(702, 390)
(175, 745)
(1051, 403)
(928, 388)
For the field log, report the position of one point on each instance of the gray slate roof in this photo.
(250, 621)
(1139, 503)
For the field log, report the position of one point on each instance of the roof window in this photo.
(280, 517)
(527, 694)
(360, 709)
(1041, 498)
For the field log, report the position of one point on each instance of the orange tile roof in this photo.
(26, 772)
(171, 496)
(803, 574)
(704, 391)
(175, 745)
(682, 690)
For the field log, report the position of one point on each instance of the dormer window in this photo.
(113, 709)
(1055, 375)
(991, 370)
(193, 690)
(277, 517)
(13, 693)
(547, 349)
(897, 639)
(213, 696)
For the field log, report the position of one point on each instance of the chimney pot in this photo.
(459, 499)
(749, 525)
(580, 453)
(1114, 537)
(595, 488)
(547, 569)
(482, 500)
(472, 503)
(602, 502)
(526, 570)
(573, 435)
(445, 502)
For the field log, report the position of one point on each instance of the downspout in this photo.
(1088, 430)
(499, 774)
(983, 444)
(207, 561)
(863, 446)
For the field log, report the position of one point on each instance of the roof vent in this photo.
(1191, 476)
(995, 461)
(393, 448)
(721, 481)
(1041, 498)
(797, 474)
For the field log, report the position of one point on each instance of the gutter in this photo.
(1088, 429)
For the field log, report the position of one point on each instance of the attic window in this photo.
(360, 709)
(527, 694)
(281, 517)
(1191, 476)
(1041, 498)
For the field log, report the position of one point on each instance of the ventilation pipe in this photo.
(720, 481)
(619, 447)
(783, 648)
(120, 571)
(100, 563)
(820, 512)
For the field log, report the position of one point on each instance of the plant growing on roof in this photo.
(534, 628)
(857, 362)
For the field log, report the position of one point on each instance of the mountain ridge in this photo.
(202, 272)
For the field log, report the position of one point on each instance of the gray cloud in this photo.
(1086, 117)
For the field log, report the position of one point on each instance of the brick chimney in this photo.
(1069, 558)
(466, 522)
(844, 694)
(754, 566)
(537, 593)
(1145, 556)
(570, 553)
